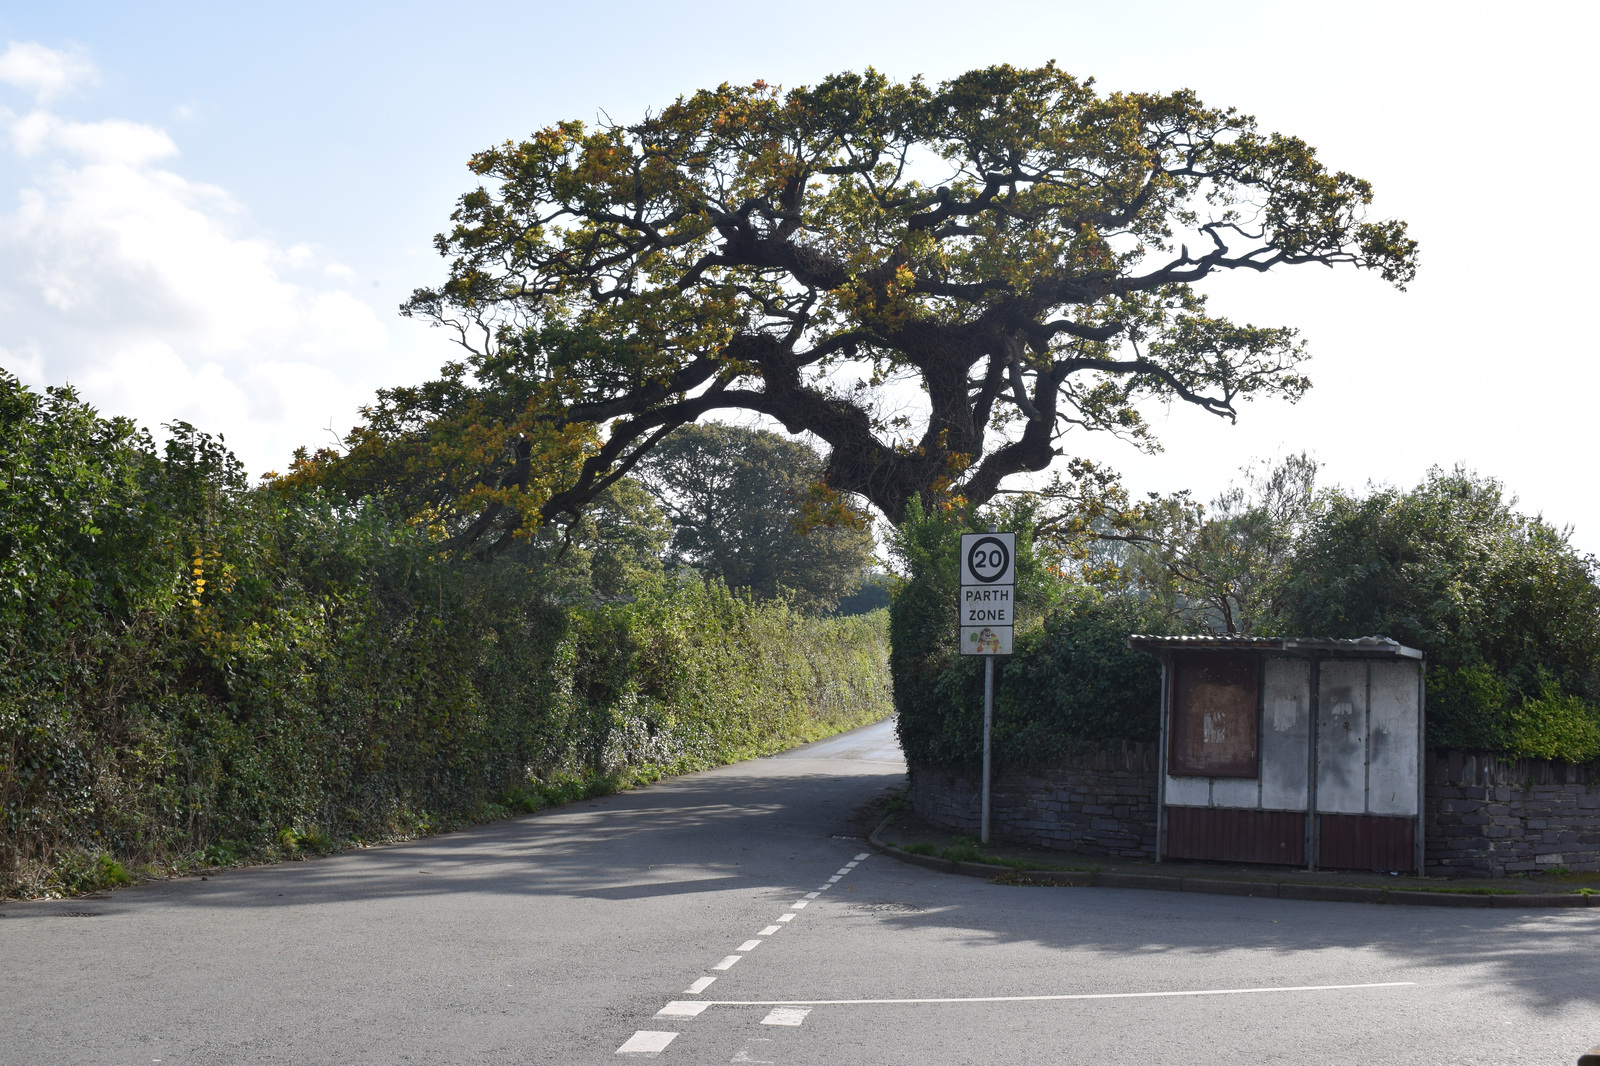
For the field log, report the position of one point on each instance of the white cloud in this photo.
(44, 72)
(109, 141)
(150, 293)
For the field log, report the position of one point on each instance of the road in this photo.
(557, 938)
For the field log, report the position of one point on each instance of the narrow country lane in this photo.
(730, 916)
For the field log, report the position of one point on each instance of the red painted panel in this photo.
(1229, 835)
(1366, 842)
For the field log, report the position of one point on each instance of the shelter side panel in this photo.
(1189, 791)
(1392, 762)
(1366, 842)
(1285, 731)
(1217, 834)
(1235, 792)
(1342, 738)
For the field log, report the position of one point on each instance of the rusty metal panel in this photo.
(1226, 835)
(1215, 715)
(1342, 738)
(1392, 763)
(1366, 842)
(1285, 731)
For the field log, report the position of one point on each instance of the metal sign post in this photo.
(988, 613)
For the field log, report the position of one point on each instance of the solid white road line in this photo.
(1041, 999)
(727, 963)
(748, 945)
(786, 1016)
(646, 1042)
(699, 986)
(786, 917)
(769, 930)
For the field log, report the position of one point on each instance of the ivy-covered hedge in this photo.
(193, 671)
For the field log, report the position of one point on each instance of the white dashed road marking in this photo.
(787, 1012)
(645, 1042)
(862, 856)
(683, 1008)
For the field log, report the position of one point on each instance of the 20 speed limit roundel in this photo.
(988, 560)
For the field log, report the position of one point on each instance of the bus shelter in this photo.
(1298, 752)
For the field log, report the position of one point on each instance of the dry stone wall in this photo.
(1489, 817)
(1096, 803)
(1484, 817)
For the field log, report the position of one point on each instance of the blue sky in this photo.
(211, 212)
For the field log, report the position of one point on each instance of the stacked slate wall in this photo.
(1094, 803)
(1490, 817)
(1484, 817)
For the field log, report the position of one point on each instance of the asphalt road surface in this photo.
(562, 937)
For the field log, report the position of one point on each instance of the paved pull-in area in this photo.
(730, 917)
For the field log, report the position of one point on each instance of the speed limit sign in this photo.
(988, 558)
(988, 588)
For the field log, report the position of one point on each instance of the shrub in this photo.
(1073, 682)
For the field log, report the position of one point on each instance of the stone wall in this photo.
(1098, 803)
(1484, 817)
(1489, 817)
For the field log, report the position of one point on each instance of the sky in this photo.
(211, 212)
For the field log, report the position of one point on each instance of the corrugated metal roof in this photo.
(1326, 647)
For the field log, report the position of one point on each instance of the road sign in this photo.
(988, 558)
(986, 640)
(988, 602)
(988, 592)
(986, 605)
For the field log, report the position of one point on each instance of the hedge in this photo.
(195, 671)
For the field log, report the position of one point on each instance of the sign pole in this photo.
(988, 729)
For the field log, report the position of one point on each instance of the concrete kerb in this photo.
(1214, 886)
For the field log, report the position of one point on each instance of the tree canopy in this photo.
(1020, 246)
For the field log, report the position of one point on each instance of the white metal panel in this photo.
(1392, 738)
(1342, 738)
(1235, 792)
(1285, 728)
(1188, 791)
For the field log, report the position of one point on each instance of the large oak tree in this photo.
(1021, 247)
